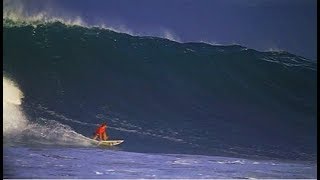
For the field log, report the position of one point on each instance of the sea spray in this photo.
(17, 128)
(14, 120)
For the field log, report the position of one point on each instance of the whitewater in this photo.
(17, 128)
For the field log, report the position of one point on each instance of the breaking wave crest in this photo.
(16, 14)
(13, 118)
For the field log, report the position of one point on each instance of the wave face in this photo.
(160, 95)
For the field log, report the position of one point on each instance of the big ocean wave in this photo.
(62, 79)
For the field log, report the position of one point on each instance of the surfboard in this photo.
(110, 142)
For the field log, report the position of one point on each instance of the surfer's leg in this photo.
(107, 137)
(104, 136)
(95, 136)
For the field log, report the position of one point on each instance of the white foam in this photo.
(16, 126)
(98, 173)
(14, 120)
(170, 35)
(54, 133)
(232, 162)
(184, 162)
(275, 50)
(213, 43)
(273, 60)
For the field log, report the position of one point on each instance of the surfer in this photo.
(101, 132)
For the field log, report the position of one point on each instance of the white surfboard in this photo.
(110, 142)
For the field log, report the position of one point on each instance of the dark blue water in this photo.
(160, 96)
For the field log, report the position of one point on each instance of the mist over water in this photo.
(14, 120)
(19, 11)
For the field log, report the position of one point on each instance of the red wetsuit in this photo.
(101, 129)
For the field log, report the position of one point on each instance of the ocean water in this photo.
(185, 110)
(66, 163)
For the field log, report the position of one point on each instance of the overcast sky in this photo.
(288, 25)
